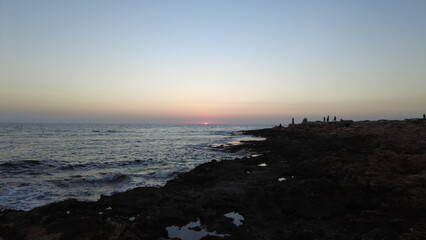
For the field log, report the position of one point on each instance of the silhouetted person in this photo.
(424, 116)
(292, 121)
(328, 118)
(305, 121)
(323, 119)
(334, 119)
(280, 126)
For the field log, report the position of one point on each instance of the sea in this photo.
(43, 163)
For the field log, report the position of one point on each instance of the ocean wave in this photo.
(74, 166)
(108, 164)
(106, 131)
(216, 145)
(111, 178)
(222, 133)
(236, 133)
(7, 165)
(32, 162)
(20, 164)
(165, 174)
(87, 160)
(225, 144)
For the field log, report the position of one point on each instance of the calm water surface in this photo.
(43, 163)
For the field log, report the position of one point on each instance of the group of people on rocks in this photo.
(305, 120)
(325, 119)
(328, 119)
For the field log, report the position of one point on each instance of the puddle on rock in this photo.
(237, 218)
(191, 231)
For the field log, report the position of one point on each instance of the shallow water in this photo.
(43, 163)
(237, 219)
(191, 231)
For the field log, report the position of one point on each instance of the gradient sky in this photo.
(211, 61)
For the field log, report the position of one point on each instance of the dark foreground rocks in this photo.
(340, 180)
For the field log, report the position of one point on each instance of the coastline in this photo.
(338, 180)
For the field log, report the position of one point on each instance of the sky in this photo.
(222, 61)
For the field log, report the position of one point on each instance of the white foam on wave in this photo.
(83, 161)
(110, 178)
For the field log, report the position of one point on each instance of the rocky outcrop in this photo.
(338, 180)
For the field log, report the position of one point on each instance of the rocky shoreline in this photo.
(337, 180)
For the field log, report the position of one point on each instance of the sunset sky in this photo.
(211, 61)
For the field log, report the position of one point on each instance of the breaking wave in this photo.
(44, 163)
(110, 178)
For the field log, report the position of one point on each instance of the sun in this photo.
(206, 123)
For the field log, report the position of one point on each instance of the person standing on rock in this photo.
(424, 116)
(292, 120)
